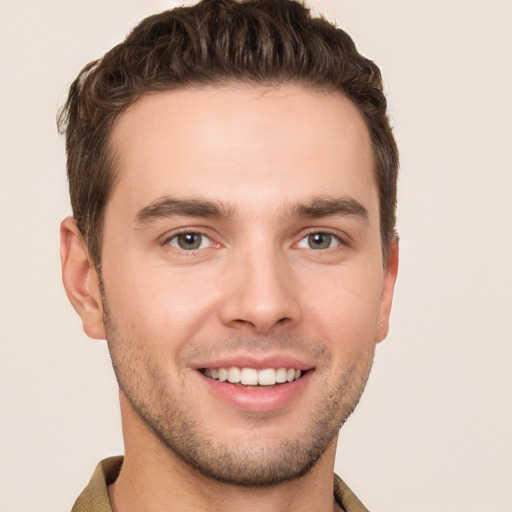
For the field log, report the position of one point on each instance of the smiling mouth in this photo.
(252, 376)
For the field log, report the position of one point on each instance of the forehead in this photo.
(267, 143)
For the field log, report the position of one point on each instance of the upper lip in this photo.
(258, 362)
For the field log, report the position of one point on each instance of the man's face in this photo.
(242, 237)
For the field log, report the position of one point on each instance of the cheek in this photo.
(159, 305)
(346, 309)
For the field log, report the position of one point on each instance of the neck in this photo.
(153, 478)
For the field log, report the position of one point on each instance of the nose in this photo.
(260, 294)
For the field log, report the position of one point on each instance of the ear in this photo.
(80, 279)
(388, 288)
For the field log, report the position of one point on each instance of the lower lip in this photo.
(258, 399)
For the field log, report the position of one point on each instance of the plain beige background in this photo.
(434, 429)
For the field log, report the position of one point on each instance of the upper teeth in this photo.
(252, 376)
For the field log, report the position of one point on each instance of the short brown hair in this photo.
(213, 42)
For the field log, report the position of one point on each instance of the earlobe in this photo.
(388, 289)
(80, 279)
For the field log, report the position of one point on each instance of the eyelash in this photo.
(332, 237)
(175, 237)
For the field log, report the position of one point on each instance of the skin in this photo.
(257, 287)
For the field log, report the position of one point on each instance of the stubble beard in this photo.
(262, 461)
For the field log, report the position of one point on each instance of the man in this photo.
(232, 175)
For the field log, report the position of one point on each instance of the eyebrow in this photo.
(330, 206)
(167, 206)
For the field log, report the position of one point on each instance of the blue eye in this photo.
(319, 241)
(190, 241)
